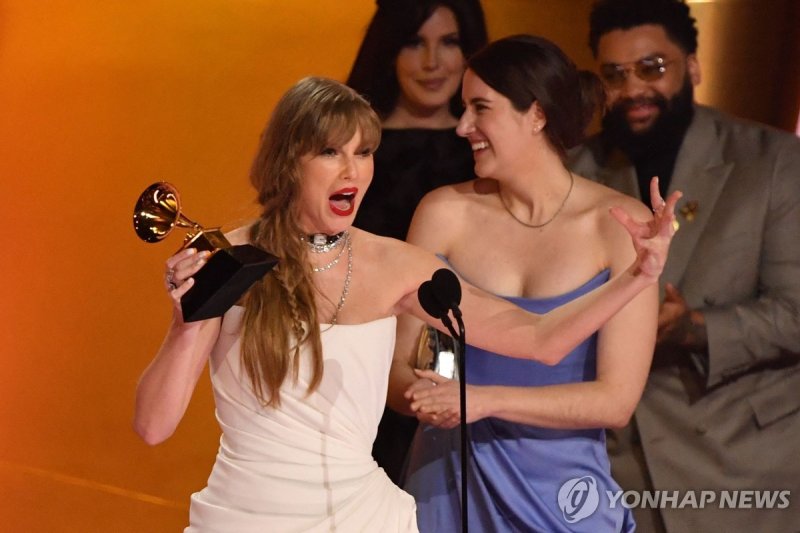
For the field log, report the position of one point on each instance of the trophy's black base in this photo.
(224, 279)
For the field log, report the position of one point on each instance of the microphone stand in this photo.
(462, 389)
(438, 298)
(460, 345)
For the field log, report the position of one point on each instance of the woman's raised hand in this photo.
(651, 238)
(179, 271)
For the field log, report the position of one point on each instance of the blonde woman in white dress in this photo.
(300, 369)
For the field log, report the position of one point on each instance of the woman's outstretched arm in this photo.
(167, 384)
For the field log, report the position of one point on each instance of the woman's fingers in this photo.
(636, 229)
(669, 213)
(431, 375)
(172, 261)
(441, 398)
(672, 201)
(663, 210)
(180, 268)
(656, 201)
(178, 292)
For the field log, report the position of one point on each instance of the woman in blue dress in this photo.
(529, 231)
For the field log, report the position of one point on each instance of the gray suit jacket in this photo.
(730, 421)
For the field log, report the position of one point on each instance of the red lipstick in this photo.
(342, 202)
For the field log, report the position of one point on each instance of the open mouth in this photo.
(343, 202)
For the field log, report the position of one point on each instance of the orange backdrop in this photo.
(97, 101)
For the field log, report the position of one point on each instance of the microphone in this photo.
(438, 296)
(429, 302)
(447, 289)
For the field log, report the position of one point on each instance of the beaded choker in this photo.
(321, 243)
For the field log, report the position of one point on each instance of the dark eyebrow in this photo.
(479, 100)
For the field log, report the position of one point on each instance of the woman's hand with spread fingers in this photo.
(651, 239)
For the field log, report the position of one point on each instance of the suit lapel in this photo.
(700, 173)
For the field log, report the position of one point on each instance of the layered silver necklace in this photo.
(320, 243)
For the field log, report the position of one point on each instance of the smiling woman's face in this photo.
(429, 68)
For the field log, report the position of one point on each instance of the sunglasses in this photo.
(646, 69)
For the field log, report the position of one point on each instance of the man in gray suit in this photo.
(721, 410)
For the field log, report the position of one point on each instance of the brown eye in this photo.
(452, 40)
(413, 42)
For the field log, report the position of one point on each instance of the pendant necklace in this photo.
(543, 224)
(347, 277)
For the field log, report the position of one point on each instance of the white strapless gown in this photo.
(306, 466)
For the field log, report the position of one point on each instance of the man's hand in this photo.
(679, 325)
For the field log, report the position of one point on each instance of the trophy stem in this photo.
(210, 239)
(185, 222)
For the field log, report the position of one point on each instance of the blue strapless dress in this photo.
(521, 478)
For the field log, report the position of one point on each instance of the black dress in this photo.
(408, 164)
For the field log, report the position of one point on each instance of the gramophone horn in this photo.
(229, 271)
(158, 211)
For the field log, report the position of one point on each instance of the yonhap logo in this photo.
(578, 498)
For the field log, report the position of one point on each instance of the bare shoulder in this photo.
(614, 240)
(385, 251)
(240, 235)
(600, 199)
(443, 213)
(447, 198)
(390, 269)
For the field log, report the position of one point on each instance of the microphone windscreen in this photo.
(429, 302)
(446, 288)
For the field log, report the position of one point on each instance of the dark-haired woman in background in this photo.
(409, 67)
(540, 237)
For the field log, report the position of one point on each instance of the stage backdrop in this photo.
(100, 99)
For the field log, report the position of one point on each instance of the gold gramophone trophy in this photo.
(230, 270)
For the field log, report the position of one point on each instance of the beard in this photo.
(666, 132)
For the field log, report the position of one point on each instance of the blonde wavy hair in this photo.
(280, 310)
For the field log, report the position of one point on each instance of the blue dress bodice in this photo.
(521, 478)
